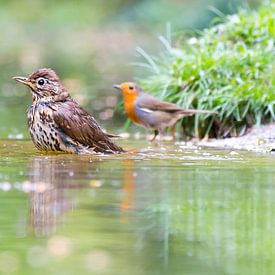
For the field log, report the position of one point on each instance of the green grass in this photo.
(228, 68)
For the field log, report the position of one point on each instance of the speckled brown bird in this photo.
(58, 123)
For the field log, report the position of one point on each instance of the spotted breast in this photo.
(42, 128)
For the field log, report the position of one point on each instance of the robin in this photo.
(150, 112)
(58, 123)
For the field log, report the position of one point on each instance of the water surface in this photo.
(162, 209)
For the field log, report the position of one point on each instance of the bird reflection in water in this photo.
(128, 185)
(51, 179)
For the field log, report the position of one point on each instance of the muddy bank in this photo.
(258, 139)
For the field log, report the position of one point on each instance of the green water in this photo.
(157, 210)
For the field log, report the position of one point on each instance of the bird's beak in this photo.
(117, 86)
(23, 80)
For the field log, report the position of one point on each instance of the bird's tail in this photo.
(189, 112)
(112, 146)
(107, 146)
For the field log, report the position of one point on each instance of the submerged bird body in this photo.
(58, 123)
(150, 112)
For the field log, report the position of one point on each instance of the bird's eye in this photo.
(131, 88)
(41, 81)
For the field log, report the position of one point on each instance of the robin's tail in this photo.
(189, 112)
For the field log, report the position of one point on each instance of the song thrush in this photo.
(150, 112)
(58, 123)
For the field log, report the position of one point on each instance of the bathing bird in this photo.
(58, 123)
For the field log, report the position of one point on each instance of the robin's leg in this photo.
(161, 134)
(173, 130)
(156, 132)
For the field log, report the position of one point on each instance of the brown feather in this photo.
(47, 73)
(149, 102)
(82, 127)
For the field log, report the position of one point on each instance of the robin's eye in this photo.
(41, 81)
(131, 88)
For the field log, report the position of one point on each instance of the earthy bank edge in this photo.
(257, 139)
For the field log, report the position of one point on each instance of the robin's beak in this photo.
(117, 86)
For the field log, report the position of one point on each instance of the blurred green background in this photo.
(155, 211)
(91, 45)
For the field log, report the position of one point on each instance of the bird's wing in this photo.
(79, 125)
(150, 103)
(146, 101)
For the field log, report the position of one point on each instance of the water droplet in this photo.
(71, 173)
(59, 246)
(97, 261)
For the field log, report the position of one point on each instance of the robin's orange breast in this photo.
(129, 107)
